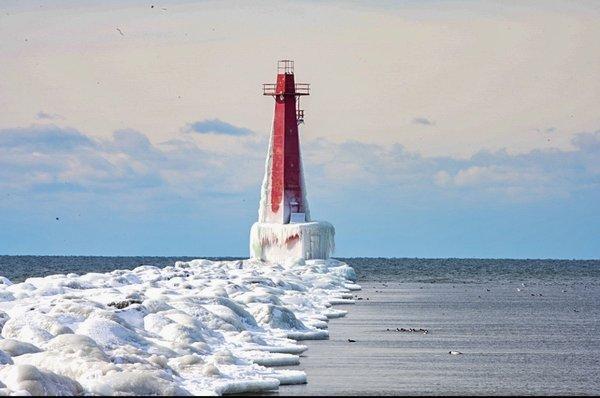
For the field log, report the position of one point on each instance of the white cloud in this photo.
(442, 178)
(52, 159)
(41, 115)
(49, 160)
(495, 176)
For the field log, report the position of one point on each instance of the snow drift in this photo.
(199, 327)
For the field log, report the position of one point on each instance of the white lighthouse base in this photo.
(279, 242)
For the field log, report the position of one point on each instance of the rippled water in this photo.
(537, 339)
(451, 270)
(19, 268)
(460, 270)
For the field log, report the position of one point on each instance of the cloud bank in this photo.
(51, 158)
(423, 121)
(216, 126)
(41, 115)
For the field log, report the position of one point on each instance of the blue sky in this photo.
(434, 129)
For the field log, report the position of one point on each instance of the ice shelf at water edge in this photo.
(199, 327)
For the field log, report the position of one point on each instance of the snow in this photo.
(14, 348)
(199, 327)
(21, 378)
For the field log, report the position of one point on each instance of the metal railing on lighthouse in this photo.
(286, 67)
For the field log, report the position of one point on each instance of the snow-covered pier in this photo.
(199, 327)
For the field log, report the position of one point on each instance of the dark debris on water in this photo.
(409, 330)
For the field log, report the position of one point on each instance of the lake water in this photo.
(522, 326)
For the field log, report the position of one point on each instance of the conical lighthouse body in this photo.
(284, 229)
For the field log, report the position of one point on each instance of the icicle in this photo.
(266, 184)
(316, 239)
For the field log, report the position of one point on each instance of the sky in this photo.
(433, 128)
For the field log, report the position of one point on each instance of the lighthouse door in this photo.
(295, 215)
(294, 206)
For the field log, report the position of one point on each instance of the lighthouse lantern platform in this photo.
(284, 229)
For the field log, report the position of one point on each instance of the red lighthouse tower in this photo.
(286, 186)
(284, 228)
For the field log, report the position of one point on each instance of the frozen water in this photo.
(29, 379)
(199, 327)
(14, 348)
(284, 242)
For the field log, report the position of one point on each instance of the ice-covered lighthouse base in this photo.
(278, 242)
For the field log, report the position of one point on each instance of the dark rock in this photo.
(124, 304)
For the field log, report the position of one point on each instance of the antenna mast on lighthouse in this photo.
(284, 228)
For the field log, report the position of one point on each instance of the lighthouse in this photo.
(284, 229)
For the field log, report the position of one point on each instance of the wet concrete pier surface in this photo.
(471, 338)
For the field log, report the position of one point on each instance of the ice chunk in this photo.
(270, 359)
(345, 271)
(243, 314)
(245, 386)
(15, 348)
(308, 335)
(109, 333)
(5, 281)
(5, 358)
(136, 382)
(77, 345)
(276, 316)
(180, 333)
(6, 295)
(211, 370)
(290, 377)
(223, 356)
(37, 382)
(3, 318)
(185, 361)
(32, 327)
(156, 305)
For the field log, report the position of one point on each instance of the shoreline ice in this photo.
(200, 327)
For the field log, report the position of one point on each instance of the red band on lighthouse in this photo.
(286, 193)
